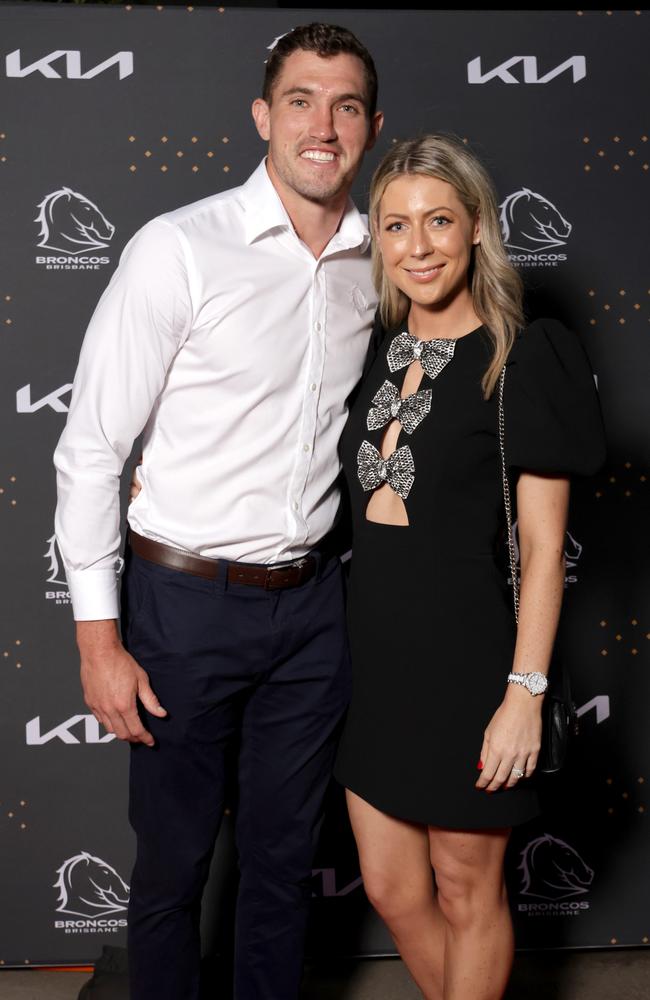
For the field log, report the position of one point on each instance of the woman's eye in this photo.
(440, 221)
(395, 227)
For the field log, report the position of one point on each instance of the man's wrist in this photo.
(97, 636)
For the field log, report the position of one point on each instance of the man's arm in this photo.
(112, 682)
(138, 327)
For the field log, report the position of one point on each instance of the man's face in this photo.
(317, 125)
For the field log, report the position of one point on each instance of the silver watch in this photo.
(534, 682)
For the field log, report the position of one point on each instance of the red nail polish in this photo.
(480, 765)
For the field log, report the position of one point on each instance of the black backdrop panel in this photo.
(139, 111)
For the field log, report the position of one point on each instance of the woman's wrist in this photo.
(521, 696)
(534, 681)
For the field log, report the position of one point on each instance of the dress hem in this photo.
(400, 814)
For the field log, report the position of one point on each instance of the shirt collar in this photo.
(264, 211)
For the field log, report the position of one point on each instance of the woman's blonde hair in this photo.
(496, 287)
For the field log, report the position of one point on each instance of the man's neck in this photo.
(314, 222)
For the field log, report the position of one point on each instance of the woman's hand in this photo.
(134, 486)
(512, 739)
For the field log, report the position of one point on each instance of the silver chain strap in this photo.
(506, 499)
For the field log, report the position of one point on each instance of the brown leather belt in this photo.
(273, 577)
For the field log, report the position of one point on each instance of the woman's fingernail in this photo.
(480, 765)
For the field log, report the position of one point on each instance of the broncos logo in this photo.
(531, 222)
(55, 562)
(71, 223)
(572, 547)
(52, 555)
(88, 887)
(552, 869)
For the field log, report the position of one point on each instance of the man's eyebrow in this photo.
(339, 97)
(296, 90)
(352, 97)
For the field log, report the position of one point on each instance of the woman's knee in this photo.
(394, 897)
(467, 894)
(469, 873)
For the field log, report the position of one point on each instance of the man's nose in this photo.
(321, 125)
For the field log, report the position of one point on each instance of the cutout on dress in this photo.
(391, 510)
(385, 506)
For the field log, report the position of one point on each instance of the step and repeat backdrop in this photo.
(110, 116)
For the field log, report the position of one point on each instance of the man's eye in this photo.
(349, 107)
(299, 101)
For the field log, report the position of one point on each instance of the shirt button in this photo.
(313, 387)
(305, 447)
(317, 326)
(295, 505)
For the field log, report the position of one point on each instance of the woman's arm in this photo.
(512, 738)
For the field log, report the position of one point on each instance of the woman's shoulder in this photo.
(552, 410)
(546, 336)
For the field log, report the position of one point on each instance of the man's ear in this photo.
(261, 116)
(375, 128)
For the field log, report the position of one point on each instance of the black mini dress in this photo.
(431, 622)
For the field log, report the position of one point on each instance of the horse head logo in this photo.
(71, 223)
(552, 869)
(572, 550)
(531, 222)
(88, 887)
(572, 547)
(54, 562)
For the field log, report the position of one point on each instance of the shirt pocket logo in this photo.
(359, 300)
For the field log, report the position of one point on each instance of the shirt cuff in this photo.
(94, 594)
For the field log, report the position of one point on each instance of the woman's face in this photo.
(425, 235)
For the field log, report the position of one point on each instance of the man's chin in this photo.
(322, 192)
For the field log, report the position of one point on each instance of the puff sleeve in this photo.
(553, 421)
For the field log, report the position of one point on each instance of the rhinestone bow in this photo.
(433, 355)
(389, 405)
(396, 470)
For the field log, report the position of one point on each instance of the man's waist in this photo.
(232, 538)
(269, 576)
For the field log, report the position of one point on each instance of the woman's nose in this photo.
(420, 243)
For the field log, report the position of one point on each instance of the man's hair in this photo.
(326, 40)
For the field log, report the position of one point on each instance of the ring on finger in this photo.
(518, 772)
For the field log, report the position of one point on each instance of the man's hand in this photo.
(112, 681)
(135, 486)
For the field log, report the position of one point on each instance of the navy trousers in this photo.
(270, 669)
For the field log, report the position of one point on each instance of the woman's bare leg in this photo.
(398, 880)
(479, 942)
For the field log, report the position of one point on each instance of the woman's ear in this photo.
(476, 237)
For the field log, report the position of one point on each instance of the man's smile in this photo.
(318, 155)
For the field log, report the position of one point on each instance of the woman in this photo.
(440, 745)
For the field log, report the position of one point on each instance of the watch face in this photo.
(537, 683)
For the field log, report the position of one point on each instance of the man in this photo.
(232, 332)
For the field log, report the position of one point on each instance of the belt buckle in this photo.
(294, 568)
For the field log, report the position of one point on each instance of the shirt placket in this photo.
(313, 378)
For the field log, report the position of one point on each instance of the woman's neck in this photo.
(448, 321)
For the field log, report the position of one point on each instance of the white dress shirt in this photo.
(234, 349)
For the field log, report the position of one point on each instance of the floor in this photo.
(623, 974)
